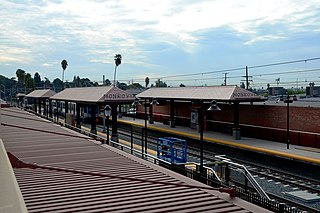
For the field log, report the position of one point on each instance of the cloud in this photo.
(47, 65)
(88, 31)
(6, 59)
(264, 38)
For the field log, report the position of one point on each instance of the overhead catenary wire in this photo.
(255, 75)
(284, 63)
(170, 78)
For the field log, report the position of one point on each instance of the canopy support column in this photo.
(39, 104)
(66, 110)
(78, 124)
(50, 108)
(172, 121)
(151, 118)
(93, 120)
(35, 105)
(236, 121)
(114, 134)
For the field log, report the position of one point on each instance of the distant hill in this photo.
(7, 86)
(7, 82)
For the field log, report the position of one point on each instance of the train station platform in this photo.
(298, 153)
(60, 170)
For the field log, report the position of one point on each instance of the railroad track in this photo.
(270, 178)
(274, 181)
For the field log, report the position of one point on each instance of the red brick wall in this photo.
(306, 119)
(268, 122)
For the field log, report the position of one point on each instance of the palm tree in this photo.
(64, 65)
(117, 60)
(147, 80)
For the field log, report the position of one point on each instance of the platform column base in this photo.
(172, 123)
(236, 133)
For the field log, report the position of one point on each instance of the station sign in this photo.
(240, 93)
(117, 94)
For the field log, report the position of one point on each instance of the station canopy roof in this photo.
(218, 93)
(41, 93)
(94, 95)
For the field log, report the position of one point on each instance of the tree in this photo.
(47, 83)
(77, 81)
(29, 82)
(160, 83)
(37, 80)
(117, 60)
(64, 65)
(182, 85)
(85, 82)
(57, 85)
(147, 80)
(21, 75)
(135, 86)
(123, 86)
(107, 82)
(242, 85)
(7, 87)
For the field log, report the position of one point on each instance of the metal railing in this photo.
(211, 178)
(247, 174)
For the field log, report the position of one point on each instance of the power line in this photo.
(288, 72)
(237, 69)
(195, 79)
(203, 73)
(242, 68)
(283, 63)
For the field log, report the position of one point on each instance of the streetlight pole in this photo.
(47, 107)
(145, 127)
(144, 142)
(135, 104)
(213, 107)
(107, 113)
(201, 121)
(104, 124)
(288, 101)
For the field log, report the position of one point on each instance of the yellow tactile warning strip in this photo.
(309, 149)
(229, 143)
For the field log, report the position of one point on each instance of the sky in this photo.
(190, 42)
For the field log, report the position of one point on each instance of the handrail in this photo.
(206, 167)
(247, 174)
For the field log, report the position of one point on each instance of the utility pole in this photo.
(247, 78)
(225, 79)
